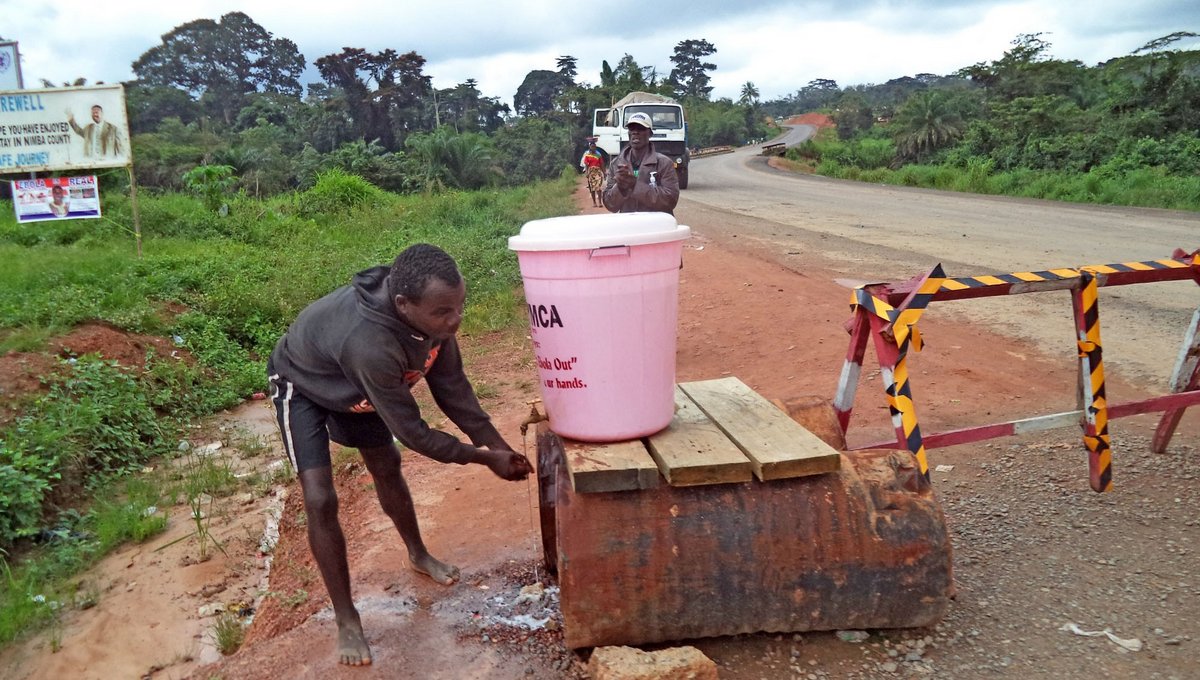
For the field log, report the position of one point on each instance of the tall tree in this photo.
(538, 92)
(148, 106)
(690, 76)
(223, 61)
(628, 76)
(533, 149)
(386, 93)
(607, 78)
(818, 93)
(1168, 80)
(749, 103)
(567, 67)
(466, 109)
(1027, 70)
(853, 115)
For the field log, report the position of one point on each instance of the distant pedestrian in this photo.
(593, 168)
(640, 179)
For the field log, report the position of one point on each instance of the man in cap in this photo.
(640, 179)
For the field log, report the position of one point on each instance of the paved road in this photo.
(881, 233)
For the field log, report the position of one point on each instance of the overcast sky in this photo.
(778, 45)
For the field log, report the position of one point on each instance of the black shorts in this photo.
(306, 427)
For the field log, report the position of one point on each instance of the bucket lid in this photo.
(584, 232)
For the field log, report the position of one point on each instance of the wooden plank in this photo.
(693, 451)
(777, 446)
(817, 415)
(620, 466)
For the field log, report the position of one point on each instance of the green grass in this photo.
(137, 515)
(239, 280)
(202, 473)
(228, 633)
(1142, 187)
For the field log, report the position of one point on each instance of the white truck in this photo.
(670, 128)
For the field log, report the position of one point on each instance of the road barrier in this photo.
(887, 314)
(776, 149)
(712, 151)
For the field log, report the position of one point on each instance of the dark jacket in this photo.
(655, 190)
(351, 346)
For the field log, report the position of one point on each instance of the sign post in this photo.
(10, 67)
(66, 129)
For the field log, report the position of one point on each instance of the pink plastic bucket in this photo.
(603, 299)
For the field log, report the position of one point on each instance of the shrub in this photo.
(829, 168)
(876, 176)
(975, 177)
(109, 424)
(178, 215)
(211, 183)
(872, 153)
(337, 191)
(25, 479)
(94, 423)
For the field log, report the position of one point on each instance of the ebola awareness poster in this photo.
(56, 198)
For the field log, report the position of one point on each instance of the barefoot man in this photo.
(343, 372)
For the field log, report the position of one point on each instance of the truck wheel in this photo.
(683, 177)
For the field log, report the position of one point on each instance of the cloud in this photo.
(780, 45)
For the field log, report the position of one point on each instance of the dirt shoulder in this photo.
(1034, 548)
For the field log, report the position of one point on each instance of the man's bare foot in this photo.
(352, 645)
(445, 574)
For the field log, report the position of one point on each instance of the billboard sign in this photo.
(56, 198)
(65, 128)
(10, 67)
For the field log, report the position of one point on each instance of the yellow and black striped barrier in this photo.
(1086, 303)
(895, 329)
(888, 314)
(1119, 273)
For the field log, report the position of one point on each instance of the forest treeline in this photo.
(226, 94)
(1125, 131)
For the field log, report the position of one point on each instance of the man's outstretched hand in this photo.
(625, 179)
(509, 465)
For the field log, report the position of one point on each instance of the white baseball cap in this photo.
(640, 118)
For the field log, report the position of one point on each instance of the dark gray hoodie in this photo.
(351, 346)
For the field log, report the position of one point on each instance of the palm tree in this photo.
(452, 160)
(749, 94)
(78, 82)
(928, 121)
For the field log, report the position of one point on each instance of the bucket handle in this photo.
(607, 251)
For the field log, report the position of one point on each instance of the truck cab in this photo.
(669, 136)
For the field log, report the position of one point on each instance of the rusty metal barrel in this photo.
(863, 547)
